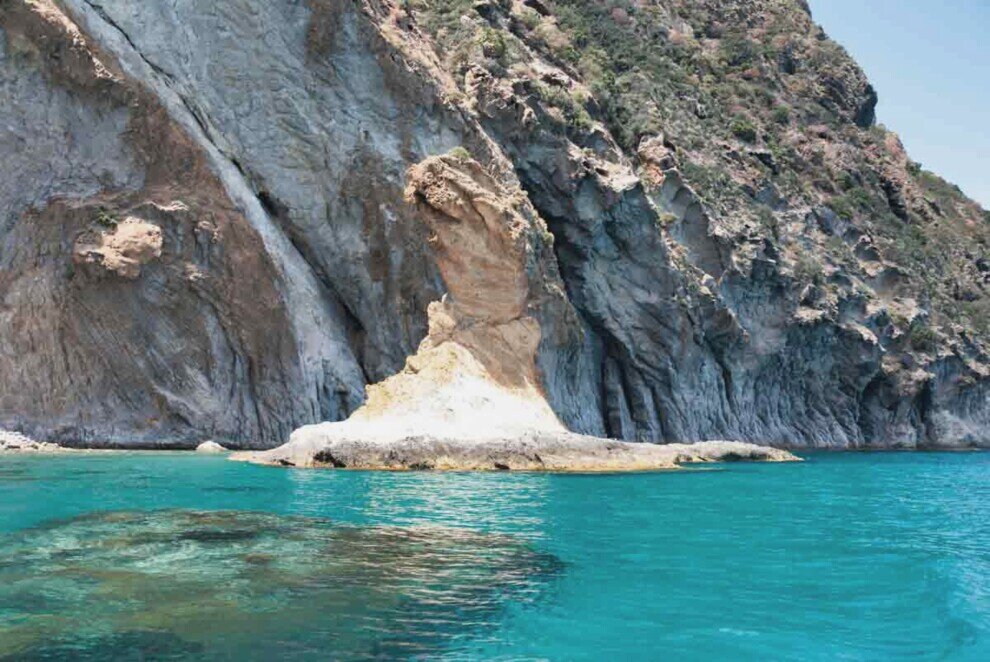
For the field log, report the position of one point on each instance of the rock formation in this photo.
(666, 222)
(528, 451)
(13, 442)
(470, 398)
(210, 448)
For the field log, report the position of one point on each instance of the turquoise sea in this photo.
(179, 556)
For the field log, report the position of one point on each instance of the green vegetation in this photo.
(743, 129)
(530, 18)
(703, 78)
(104, 219)
(460, 153)
(570, 103)
(922, 337)
(840, 252)
(841, 207)
(493, 44)
(738, 51)
(977, 313)
(809, 270)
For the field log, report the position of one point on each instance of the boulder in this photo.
(17, 442)
(211, 447)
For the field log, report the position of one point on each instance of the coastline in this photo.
(536, 452)
(15, 442)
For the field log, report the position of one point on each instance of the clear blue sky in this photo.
(930, 63)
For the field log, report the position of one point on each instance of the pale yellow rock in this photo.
(122, 250)
(470, 399)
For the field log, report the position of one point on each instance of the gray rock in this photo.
(534, 452)
(269, 141)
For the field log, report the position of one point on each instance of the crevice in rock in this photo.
(356, 332)
(665, 433)
(727, 383)
(324, 328)
(102, 13)
(327, 457)
(643, 424)
(870, 397)
(924, 405)
(616, 406)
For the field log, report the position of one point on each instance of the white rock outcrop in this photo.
(14, 442)
(211, 448)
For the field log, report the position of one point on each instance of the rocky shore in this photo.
(717, 243)
(536, 452)
(472, 397)
(15, 442)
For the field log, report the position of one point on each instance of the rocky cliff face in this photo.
(204, 231)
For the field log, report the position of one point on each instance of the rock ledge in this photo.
(537, 452)
(15, 442)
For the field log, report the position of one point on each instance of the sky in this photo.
(930, 63)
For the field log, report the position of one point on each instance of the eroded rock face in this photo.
(246, 312)
(122, 249)
(205, 233)
(474, 376)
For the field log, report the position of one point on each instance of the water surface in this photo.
(178, 556)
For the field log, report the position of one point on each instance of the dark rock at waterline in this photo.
(535, 452)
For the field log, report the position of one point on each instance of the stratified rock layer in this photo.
(226, 220)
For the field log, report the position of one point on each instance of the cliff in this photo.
(663, 221)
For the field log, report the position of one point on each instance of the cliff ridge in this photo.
(661, 221)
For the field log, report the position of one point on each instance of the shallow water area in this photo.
(183, 556)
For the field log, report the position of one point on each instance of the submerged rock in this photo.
(140, 585)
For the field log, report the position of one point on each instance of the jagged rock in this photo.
(528, 452)
(895, 198)
(538, 6)
(15, 442)
(828, 221)
(487, 9)
(767, 158)
(866, 114)
(122, 250)
(204, 233)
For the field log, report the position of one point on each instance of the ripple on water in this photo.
(180, 583)
(15, 473)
